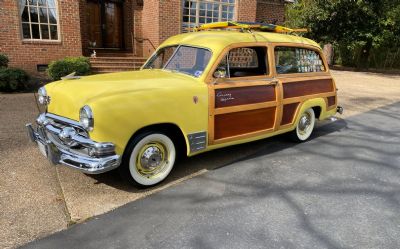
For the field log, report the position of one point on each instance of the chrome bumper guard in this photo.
(340, 110)
(91, 157)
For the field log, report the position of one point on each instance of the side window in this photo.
(297, 60)
(245, 62)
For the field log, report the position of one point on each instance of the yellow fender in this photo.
(310, 103)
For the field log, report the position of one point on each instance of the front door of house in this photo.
(105, 23)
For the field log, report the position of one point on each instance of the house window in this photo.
(39, 19)
(197, 12)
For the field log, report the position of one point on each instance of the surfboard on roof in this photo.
(221, 34)
(264, 27)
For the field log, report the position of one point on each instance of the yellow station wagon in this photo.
(225, 84)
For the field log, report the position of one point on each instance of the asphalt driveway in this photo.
(339, 190)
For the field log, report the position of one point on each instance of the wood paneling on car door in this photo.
(237, 123)
(244, 95)
(288, 113)
(307, 87)
(331, 101)
(239, 109)
(296, 90)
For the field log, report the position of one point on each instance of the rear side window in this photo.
(297, 60)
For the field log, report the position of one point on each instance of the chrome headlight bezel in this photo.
(43, 98)
(86, 118)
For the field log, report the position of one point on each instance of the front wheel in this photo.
(149, 160)
(305, 126)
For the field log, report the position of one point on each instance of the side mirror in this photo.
(220, 73)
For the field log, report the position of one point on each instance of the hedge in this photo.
(13, 79)
(61, 68)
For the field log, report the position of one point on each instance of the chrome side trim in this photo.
(197, 141)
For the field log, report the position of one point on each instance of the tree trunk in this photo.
(363, 61)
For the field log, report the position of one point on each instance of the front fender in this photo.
(117, 118)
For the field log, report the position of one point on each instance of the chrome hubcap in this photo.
(304, 123)
(152, 159)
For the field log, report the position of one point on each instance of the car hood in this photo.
(68, 96)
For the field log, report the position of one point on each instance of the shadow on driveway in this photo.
(222, 157)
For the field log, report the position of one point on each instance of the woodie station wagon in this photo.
(225, 84)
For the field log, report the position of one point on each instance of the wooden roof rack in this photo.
(264, 27)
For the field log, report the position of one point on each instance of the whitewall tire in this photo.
(150, 160)
(305, 126)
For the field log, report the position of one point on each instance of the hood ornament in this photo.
(71, 76)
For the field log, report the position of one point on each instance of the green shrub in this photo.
(13, 79)
(61, 68)
(3, 61)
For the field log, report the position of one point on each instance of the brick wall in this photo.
(246, 10)
(271, 11)
(156, 21)
(151, 22)
(170, 18)
(27, 54)
(150, 25)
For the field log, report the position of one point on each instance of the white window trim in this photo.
(198, 12)
(58, 40)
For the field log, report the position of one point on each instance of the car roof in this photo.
(219, 39)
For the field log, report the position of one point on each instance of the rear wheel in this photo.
(149, 159)
(304, 127)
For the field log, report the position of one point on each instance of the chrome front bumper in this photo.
(85, 155)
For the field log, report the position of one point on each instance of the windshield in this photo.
(184, 59)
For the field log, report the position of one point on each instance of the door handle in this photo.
(273, 83)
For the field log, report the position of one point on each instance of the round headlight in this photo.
(86, 118)
(43, 99)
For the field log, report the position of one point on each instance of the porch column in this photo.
(156, 20)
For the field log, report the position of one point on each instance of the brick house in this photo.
(35, 32)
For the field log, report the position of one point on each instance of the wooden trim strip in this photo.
(242, 136)
(243, 83)
(248, 107)
(211, 104)
(313, 76)
(304, 98)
